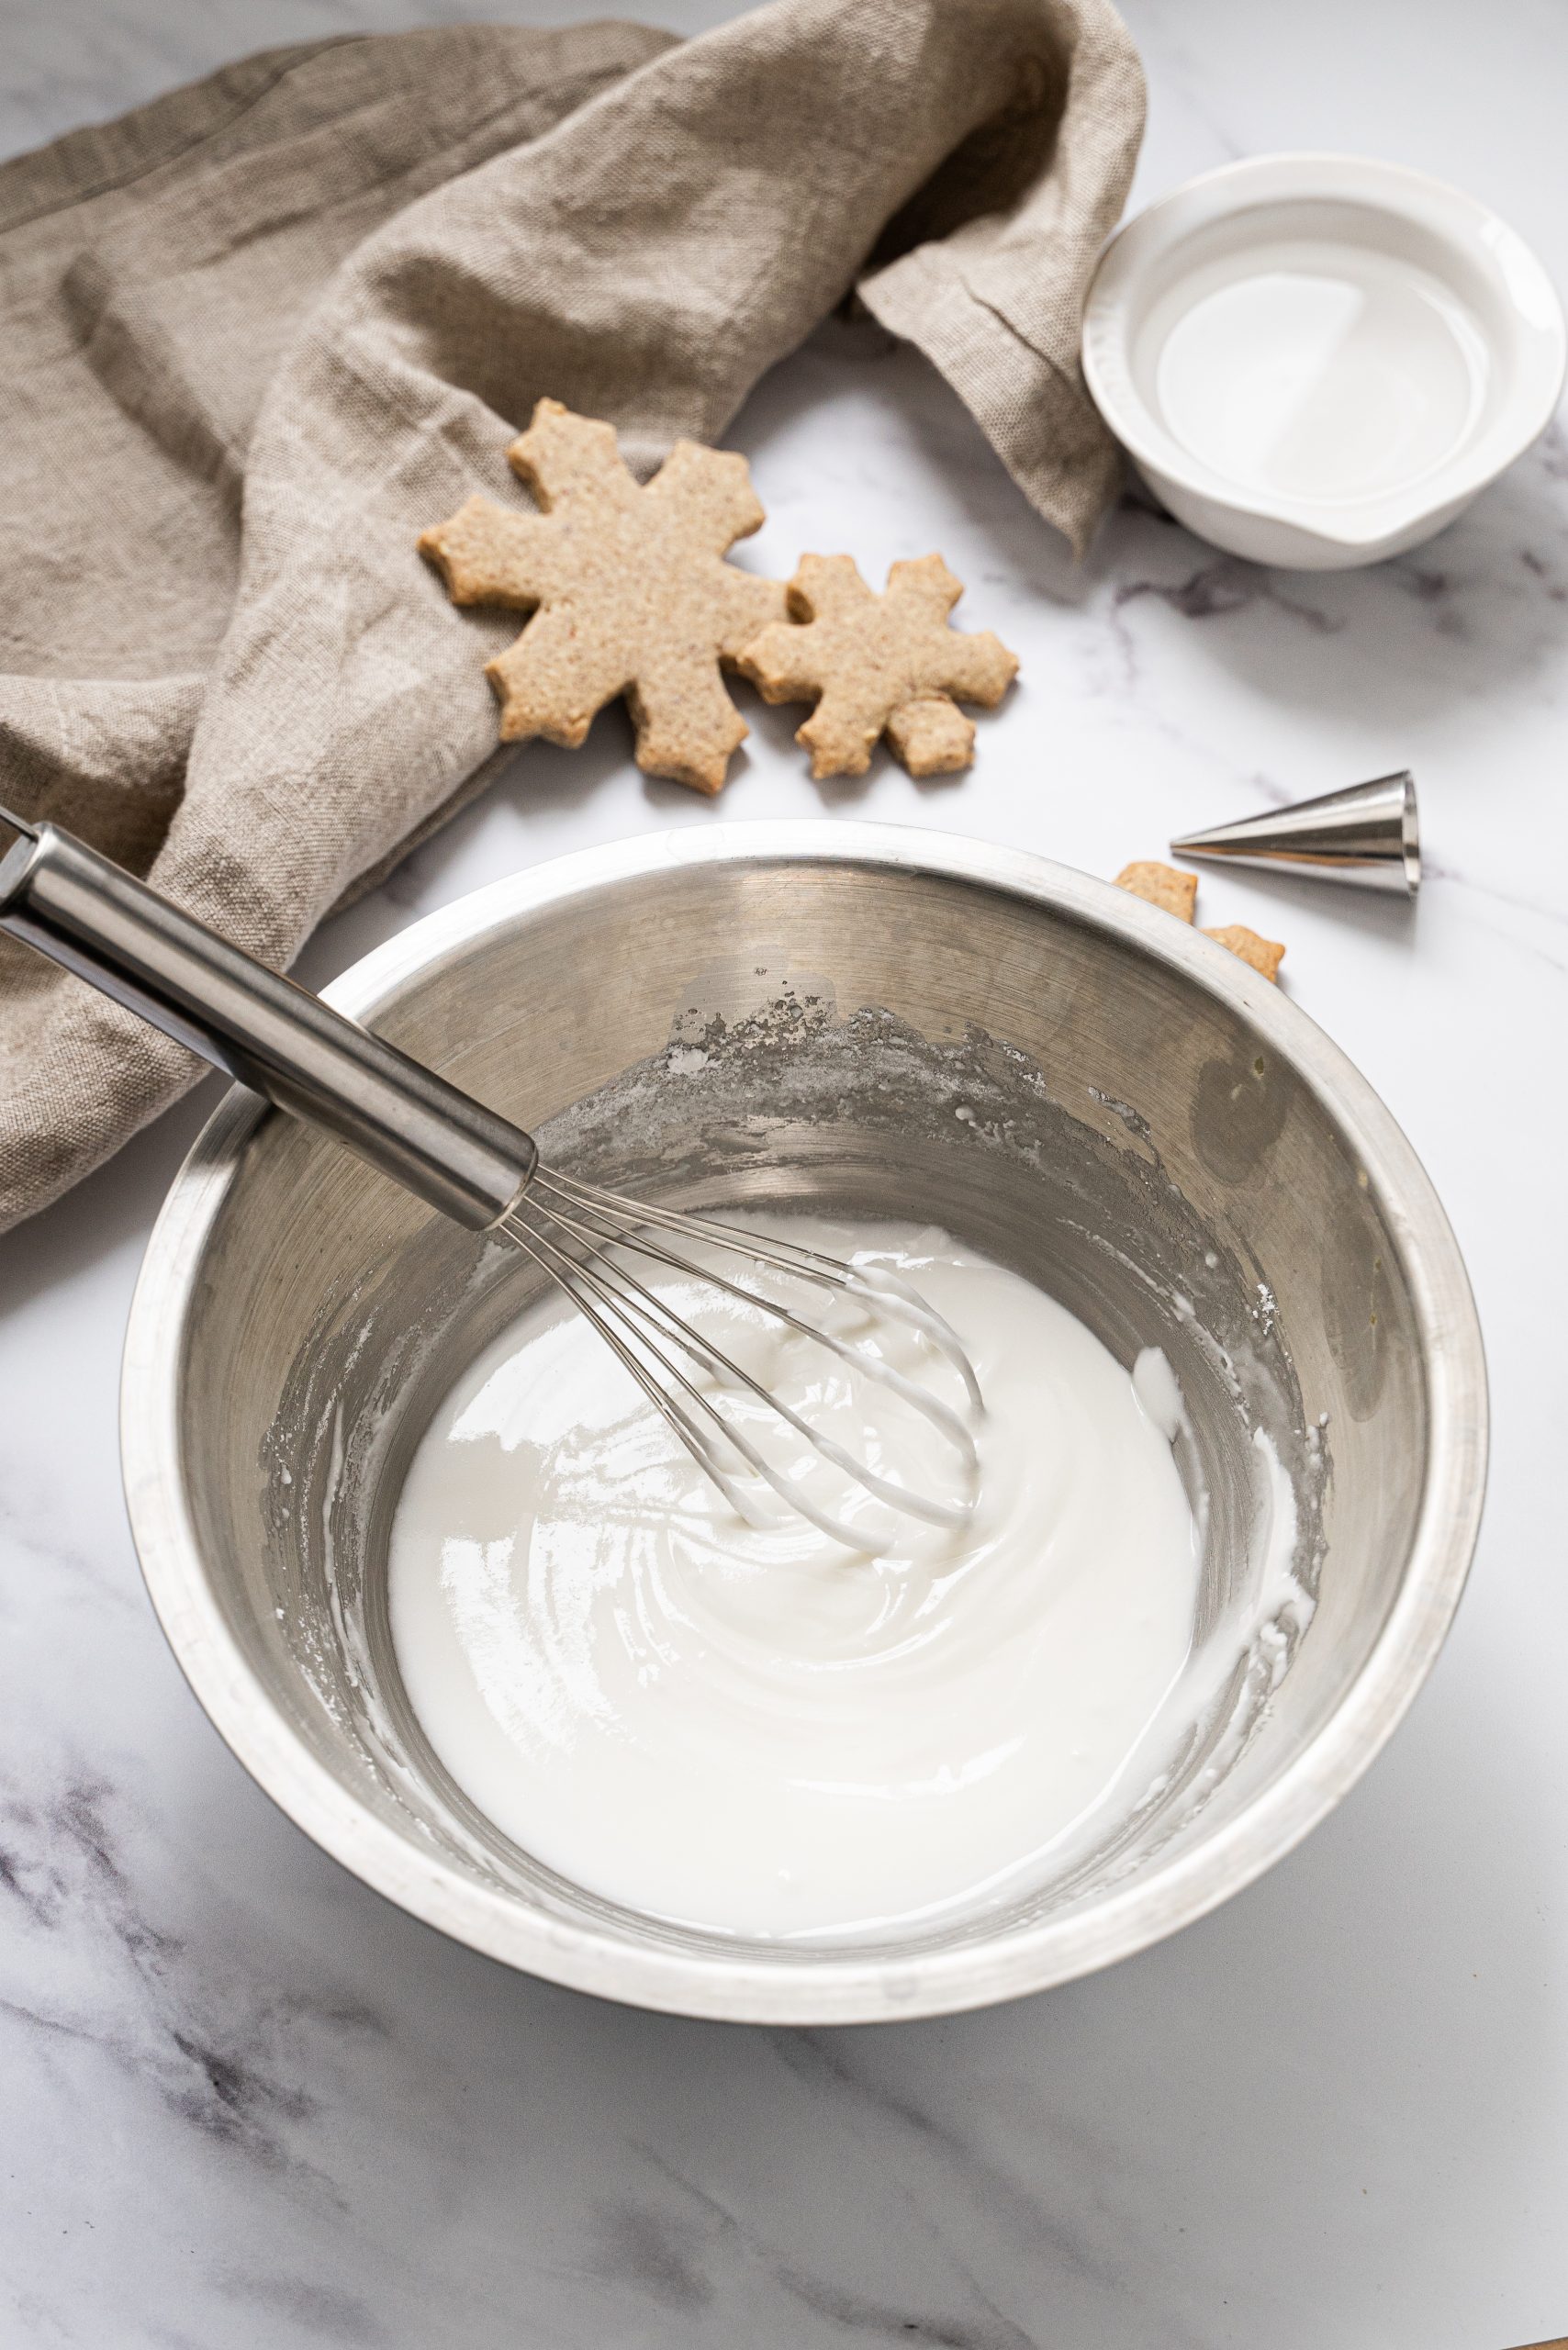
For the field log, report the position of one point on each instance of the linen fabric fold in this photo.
(261, 332)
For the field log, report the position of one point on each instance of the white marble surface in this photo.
(245, 2103)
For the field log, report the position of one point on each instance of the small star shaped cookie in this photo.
(628, 590)
(878, 665)
(1176, 893)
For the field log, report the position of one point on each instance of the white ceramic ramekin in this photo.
(1317, 361)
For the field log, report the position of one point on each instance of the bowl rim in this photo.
(849, 1987)
(1135, 254)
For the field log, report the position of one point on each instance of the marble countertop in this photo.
(247, 2104)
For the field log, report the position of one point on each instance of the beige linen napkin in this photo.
(260, 332)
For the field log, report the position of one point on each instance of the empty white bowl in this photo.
(1319, 360)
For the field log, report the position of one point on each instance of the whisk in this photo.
(473, 1166)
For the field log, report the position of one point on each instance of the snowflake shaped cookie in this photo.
(628, 587)
(878, 665)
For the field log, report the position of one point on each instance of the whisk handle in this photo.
(274, 1036)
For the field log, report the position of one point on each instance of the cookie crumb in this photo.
(1176, 892)
(1161, 885)
(1264, 954)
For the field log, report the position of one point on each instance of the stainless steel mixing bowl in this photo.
(839, 1014)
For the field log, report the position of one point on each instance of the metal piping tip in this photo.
(19, 824)
(1367, 835)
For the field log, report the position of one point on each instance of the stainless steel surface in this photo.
(298, 1053)
(284, 1042)
(1367, 835)
(825, 1013)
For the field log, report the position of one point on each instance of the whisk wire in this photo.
(857, 1357)
(558, 1216)
(648, 1308)
(564, 1271)
(570, 1272)
(871, 1282)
